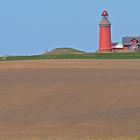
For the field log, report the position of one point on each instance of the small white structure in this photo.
(118, 46)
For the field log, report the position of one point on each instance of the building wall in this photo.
(117, 50)
(126, 48)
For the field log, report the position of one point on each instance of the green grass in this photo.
(75, 56)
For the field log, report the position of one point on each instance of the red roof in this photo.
(104, 13)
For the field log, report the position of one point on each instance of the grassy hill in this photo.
(70, 53)
(64, 51)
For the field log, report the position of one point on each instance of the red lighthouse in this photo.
(105, 34)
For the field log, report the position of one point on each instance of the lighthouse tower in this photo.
(105, 33)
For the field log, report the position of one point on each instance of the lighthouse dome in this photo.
(104, 13)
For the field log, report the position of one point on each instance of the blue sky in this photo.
(30, 26)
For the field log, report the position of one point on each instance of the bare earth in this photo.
(70, 99)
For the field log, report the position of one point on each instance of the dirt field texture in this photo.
(70, 100)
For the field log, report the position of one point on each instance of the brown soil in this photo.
(70, 98)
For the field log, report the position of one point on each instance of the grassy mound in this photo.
(66, 55)
(64, 51)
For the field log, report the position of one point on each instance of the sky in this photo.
(29, 27)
